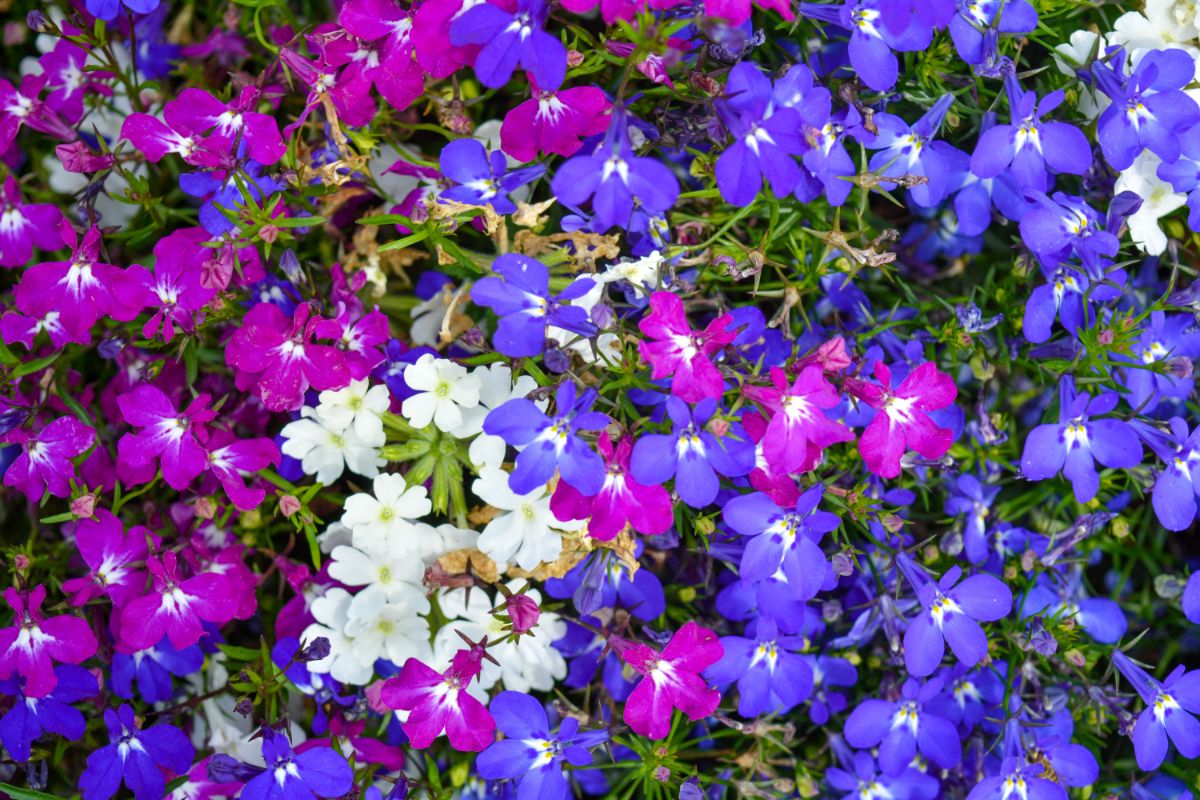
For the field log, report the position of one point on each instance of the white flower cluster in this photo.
(344, 431)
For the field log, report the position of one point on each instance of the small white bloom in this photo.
(529, 533)
(387, 514)
(642, 273)
(386, 575)
(331, 612)
(333, 536)
(389, 627)
(443, 389)
(1158, 200)
(496, 388)
(437, 542)
(1165, 24)
(325, 449)
(359, 405)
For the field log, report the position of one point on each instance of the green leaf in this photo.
(17, 793)
(239, 653)
(30, 367)
(299, 222)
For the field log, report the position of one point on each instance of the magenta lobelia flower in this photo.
(359, 336)
(381, 50)
(554, 121)
(798, 429)
(175, 287)
(172, 437)
(177, 607)
(903, 421)
(67, 80)
(672, 679)
(24, 226)
(223, 123)
(277, 356)
(45, 462)
(439, 702)
(241, 456)
(114, 557)
(21, 106)
(621, 501)
(178, 132)
(31, 646)
(680, 352)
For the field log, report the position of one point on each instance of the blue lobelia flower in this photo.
(861, 780)
(481, 179)
(1184, 173)
(532, 753)
(521, 298)
(974, 500)
(1061, 226)
(617, 181)
(136, 757)
(319, 771)
(512, 38)
(877, 27)
(691, 454)
(974, 29)
(1066, 298)
(1077, 441)
(950, 614)
(152, 669)
(783, 538)
(905, 149)
(828, 160)
(602, 580)
(1064, 596)
(1178, 483)
(903, 727)
(1170, 705)
(551, 443)
(586, 651)
(29, 718)
(829, 672)
(1149, 110)
(1029, 147)
(969, 695)
(771, 677)
(1168, 341)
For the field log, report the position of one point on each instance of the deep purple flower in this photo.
(151, 670)
(1170, 706)
(772, 678)
(512, 38)
(521, 298)
(1178, 483)
(45, 463)
(113, 556)
(874, 34)
(905, 149)
(135, 757)
(30, 717)
(317, 771)
(972, 499)
(1060, 225)
(481, 179)
(978, 22)
(172, 437)
(901, 728)
(24, 226)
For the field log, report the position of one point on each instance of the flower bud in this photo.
(84, 506)
(288, 505)
(523, 612)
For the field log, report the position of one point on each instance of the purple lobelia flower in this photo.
(24, 226)
(950, 614)
(772, 678)
(30, 717)
(1066, 298)
(1178, 483)
(521, 297)
(45, 463)
(1149, 109)
(903, 727)
(511, 38)
(551, 443)
(873, 37)
(603, 581)
(622, 502)
(1061, 225)
(692, 455)
(1170, 705)
(151, 669)
(905, 149)
(227, 124)
(977, 23)
(1184, 173)
(1063, 597)
(114, 558)
(21, 106)
(1074, 444)
(68, 81)
(31, 645)
(481, 179)
(532, 753)
(972, 499)
(135, 757)
(383, 50)
(174, 289)
(828, 160)
(865, 782)
(1030, 148)
(108, 9)
(616, 180)
(172, 437)
(319, 771)
(783, 538)
(175, 133)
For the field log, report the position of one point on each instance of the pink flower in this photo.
(45, 463)
(241, 456)
(831, 355)
(554, 122)
(32, 645)
(798, 429)
(24, 226)
(197, 110)
(381, 51)
(523, 612)
(174, 288)
(672, 679)
(735, 12)
(431, 35)
(622, 500)
(903, 421)
(68, 81)
(359, 337)
(439, 702)
(612, 10)
(176, 608)
(172, 437)
(21, 106)
(681, 352)
(277, 356)
(766, 477)
(16, 327)
(114, 558)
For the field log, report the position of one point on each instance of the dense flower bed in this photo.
(664, 399)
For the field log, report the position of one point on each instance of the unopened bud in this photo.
(288, 505)
(574, 58)
(84, 506)
(269, 233)
(523, 613)
(205, 508)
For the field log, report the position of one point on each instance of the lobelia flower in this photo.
(902, 421)
(798, 429)
(771, 678)
(174, 438)
(526, 531)
(950, 614)
(1030, 148)
(905, 149)
(551, 443)
(31, 717)
(1074, 444)
(176, 607)
(439, 702)
(230, 462)
(783, 539)
(135, 757)
(45, 463)
(1158, 199)
(278, 357)
(1066, 298)
(113, 556)
(872, 40)
(1170, 706)
(616, 180)
(223, 123)
(1149, 109)
(152, 669)
(554, 121)
(902, 727)
(511, 38)
(973, 499)
(521, 298)
(1061, 224)
(621, 502)
(978, 22)
(155, 137)
(24, 226)
(671, 679)
(108, 9)
(604, 581)
(33, 643)
(319, 771)
(327, 449)
(21, 106)
(691, 454)
(68, 83)
(1178, 484)
(1063, 597)
(865, 782)
(533, 754)
(675, 349)
(1183, 174)
(175, 286)
(384, 53)
(443, 389)
(481, 179)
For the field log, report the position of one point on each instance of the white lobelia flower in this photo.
(326, 450)
(332, 613)
(532, 664)
(608, 345)
(1164, 24)
(428, 315)
(388, 513)
(642, 273)
(443, 389)
(496, 388)
(528, 533)
(437, 542)
(1158, 200)
(389, 627)
(359, 405)
(1083, 47)
(393, 574)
